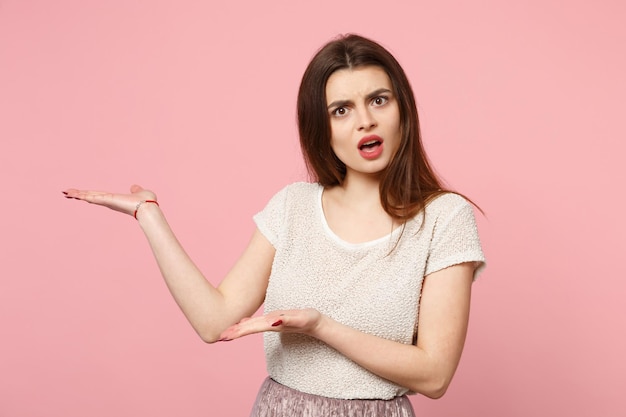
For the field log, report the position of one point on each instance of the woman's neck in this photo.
(353, 210)
(362, 190)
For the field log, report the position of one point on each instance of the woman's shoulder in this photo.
(300, 189)
(447, 205)
(303, 186)
(295, 194)
(447, 201)
(292, 200)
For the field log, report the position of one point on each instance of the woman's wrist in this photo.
(146, 209)
(142, 202)
(321, 329)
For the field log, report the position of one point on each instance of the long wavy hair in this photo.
(409, 181)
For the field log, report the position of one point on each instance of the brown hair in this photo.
(409, 182)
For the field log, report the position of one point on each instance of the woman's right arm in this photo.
(210, 310)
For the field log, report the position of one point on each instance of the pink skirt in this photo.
(276, 400)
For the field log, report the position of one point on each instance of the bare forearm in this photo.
(202, 304)
(406, 365)
(210, 310)
(428, 367)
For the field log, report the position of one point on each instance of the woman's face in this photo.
(364, 119)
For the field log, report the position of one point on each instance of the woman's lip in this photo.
(371, 152)
(369, 138)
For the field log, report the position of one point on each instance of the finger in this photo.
(71, 193)
(85, 195)
(95, 197)
(249, 326)
(280, 320)
(144, 193)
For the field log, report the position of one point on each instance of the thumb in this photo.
(136, 188)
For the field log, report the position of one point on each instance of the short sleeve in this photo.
(455, 239)
(271, 220)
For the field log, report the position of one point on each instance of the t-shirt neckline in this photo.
(348, 245)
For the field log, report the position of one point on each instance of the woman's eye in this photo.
(340, 111)
(379, 101)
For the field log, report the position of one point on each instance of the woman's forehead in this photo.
(350, 83)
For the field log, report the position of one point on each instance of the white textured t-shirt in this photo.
(366, 286)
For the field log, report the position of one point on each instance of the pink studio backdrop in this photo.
(522, 109)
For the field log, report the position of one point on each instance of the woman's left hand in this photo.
(287, 321)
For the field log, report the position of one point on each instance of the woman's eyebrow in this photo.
(378, 92)
(339, 103)
(375, 93)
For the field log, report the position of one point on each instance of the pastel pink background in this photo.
(522, 105)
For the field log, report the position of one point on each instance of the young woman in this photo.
(345, 264)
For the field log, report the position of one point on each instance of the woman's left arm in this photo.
(426, 368)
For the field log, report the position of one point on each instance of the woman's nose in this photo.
(366, 120)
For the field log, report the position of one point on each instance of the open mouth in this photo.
(370, 144)
(371, 147)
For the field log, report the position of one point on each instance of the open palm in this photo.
(125, 203)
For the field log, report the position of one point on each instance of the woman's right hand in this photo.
(125, 203)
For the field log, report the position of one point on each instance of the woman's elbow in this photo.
(209, 339)
(436, 392)
(435, 388)
(208, 336)
(212, 332)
